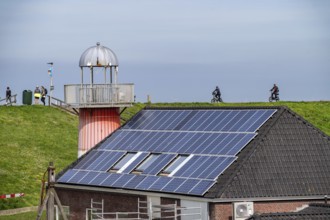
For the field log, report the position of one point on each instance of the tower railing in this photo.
(99, 95)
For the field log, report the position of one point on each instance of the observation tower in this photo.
(99, 104)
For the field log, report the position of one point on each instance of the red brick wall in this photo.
(224, 211)
(79, 200)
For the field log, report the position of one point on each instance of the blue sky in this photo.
(174, 51)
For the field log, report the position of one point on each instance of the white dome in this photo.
(98, 56)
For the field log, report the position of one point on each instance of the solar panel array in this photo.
(137, 182)
(209, 139)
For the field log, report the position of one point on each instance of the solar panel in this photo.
(183, 120)
(210, 138)
(135, 143)
(197, 144)
(160, 183)
(185, 142)
(204, 167)
(201, 187)
(88, 159)
(215, 167)
(172, 185)
(134, 181)
(264, 116)
(200, 120)
(187, 185)
(111, 179)
(67, 175)
(106, 160)
(99, 179)
(88, 177)
(122, 180)
(114, 138)
(147, 182)
(218, 168)
(78, 176)
(242, 120)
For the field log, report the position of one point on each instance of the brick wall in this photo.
(79, 200)
(224, 211)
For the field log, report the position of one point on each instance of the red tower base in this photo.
(94, 125)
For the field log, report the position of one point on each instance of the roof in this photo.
(220, 153)
(315, 211)
(289, 158)
(98, 56)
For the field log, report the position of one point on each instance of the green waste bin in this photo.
(27, 97)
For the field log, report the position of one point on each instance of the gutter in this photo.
(190, 198)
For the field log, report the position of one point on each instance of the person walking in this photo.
(37, 95)
(8, 96)
(43, 94)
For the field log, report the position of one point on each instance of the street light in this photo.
(50, 72)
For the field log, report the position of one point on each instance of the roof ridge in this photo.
(254, 147)
(210, 107)
(308, 123)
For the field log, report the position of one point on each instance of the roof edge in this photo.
(194, 198)
(299, 117)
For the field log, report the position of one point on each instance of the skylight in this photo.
(176, 163)
(122, 162)
(147, 162)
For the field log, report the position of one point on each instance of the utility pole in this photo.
(50, 72)
(51, 182)
(51, 197)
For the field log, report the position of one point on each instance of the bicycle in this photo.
(276, 98)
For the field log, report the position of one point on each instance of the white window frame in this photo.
(66, 209)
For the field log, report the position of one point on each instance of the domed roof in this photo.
(98, 56)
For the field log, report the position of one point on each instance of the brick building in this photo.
(200, 163)
(314, 211)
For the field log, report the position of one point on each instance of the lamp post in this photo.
(50, 72)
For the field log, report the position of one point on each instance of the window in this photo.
(147, 162)
(176, 164)
(123, 162)
(58, 214)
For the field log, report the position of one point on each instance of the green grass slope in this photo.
(31, 137)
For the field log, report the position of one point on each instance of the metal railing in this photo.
(148, 211)
(52, 101)
(99, 95)
(12, 99)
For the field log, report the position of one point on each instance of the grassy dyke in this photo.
(31, 136)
